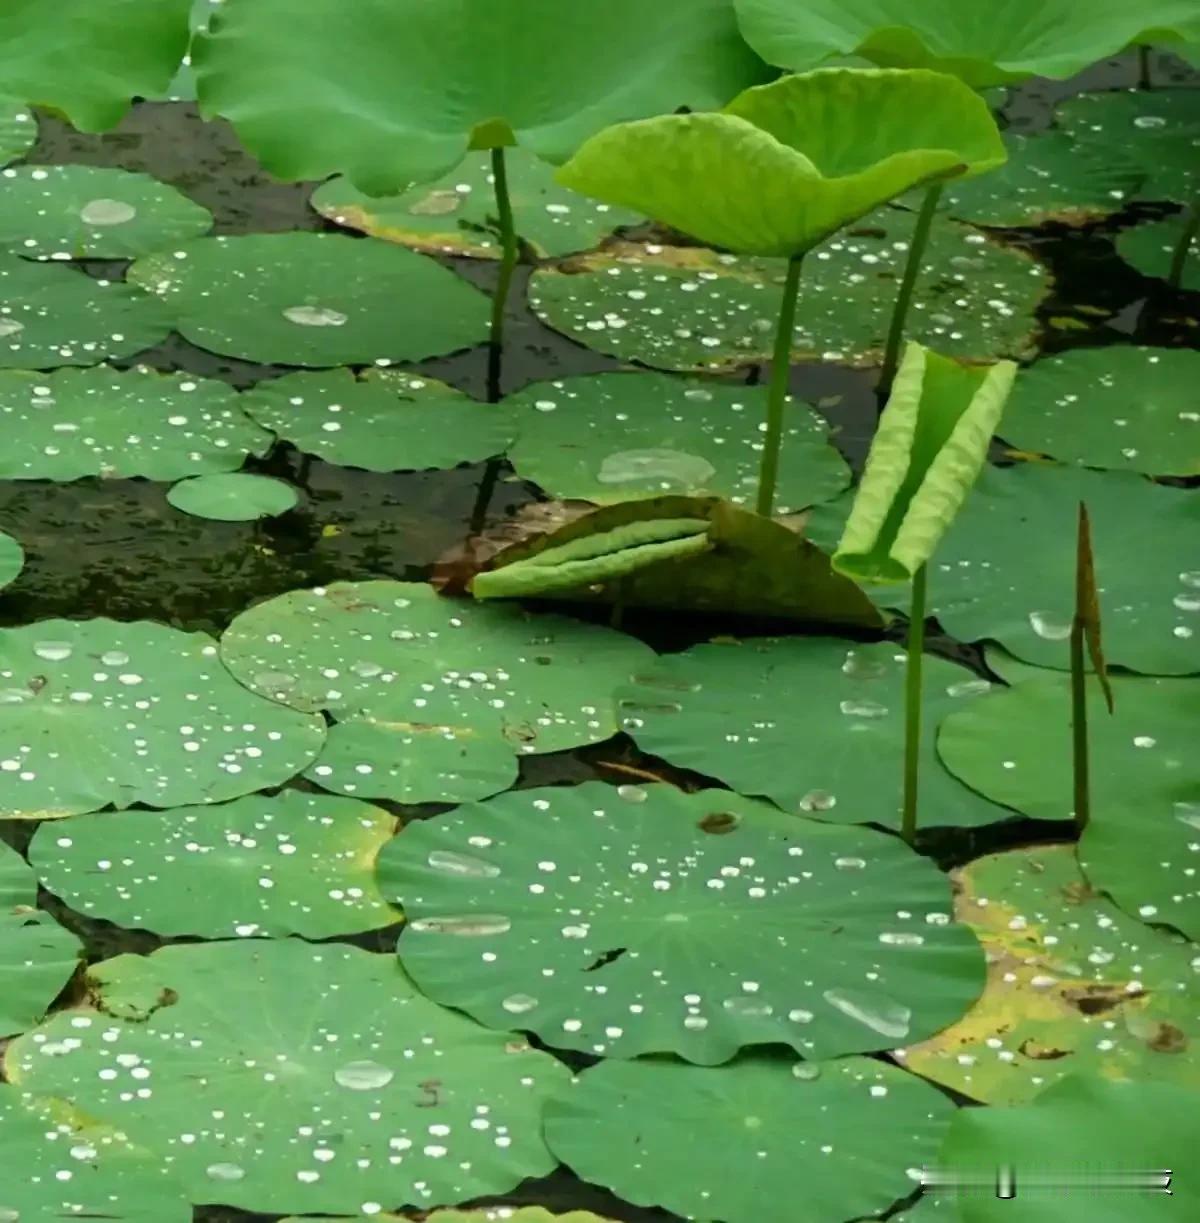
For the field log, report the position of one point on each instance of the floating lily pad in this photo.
(1158, 129)
(18, 130)
(313, 299)
(56, 1164)
(610, 437)
(297, 863)
(339, 1087)
(456, 214)
(58, 316)
(1074, 986)
(846, 1138)
(12, 560)
(812, 723)
(37, 956)
(93, 212)
(643, 920)
(1006, 568)
(1151, 249)
(97, 712)
(1121, 407)
(233, 497)
(73, 423)
(1015, 746)
(386, 420)
(690, 308)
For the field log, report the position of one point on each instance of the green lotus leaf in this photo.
(1151, 249)
(684, 308)
(1074, 987)
(995, 578)
(233, 497)
(89, 60)
(58, 1164)
(313, 299)
(72, 423)
(746, 564)
(12, 560)
(815, 724)
(931, 444)
(18, 130)
(1120, 407)
(799, 159)
(642, 920)
(340, 1088)
(983, 45)
(385, 420)
(1088, 1130)
(297, 863)
(846, 1138)
(97, 712)
(400, 94)
(456, 214)
(59, 316)
(611, 437)
(183, 84)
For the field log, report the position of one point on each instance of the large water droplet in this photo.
(881, 1015)
(661, 468)
(632, 794)
(1189, 814)
(53, 651)
(1187, 602)
(850, 864)
(748, 1007)
(863, 668)
(1191, 578)
(107, 212)
(818, 800)
(274, 681)
(969, 687)
(463, 865)
(114, 658)
(466, 926)
(806, 1071)
(436, 204)
(15, 696)
(519, 1004)
(314, 316)
(363, 1076)
(1046, 626)
(1149, 121)
(864, 709)
(221, 1172)
(10, 326)
(902, 939)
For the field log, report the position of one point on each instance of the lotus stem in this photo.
(1079, 727)
(509, 248)
(781, 366)
(1144, 77)
(912, 269)
(1179, 261)
(912, 704)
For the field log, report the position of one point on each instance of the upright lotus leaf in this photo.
(1153, 250)
(296, 863)
(1092, 1135)
(114, 423)
(815, 724)
(12, 560)
(401, 93)
(683, 554)
(97, 712)
(994, 44)
(785, 165)
(18, 130)
(87, 59)
(56, 1164)
(645, 920)
(337, 1087)
(1074, 986)
(845, 1138)
(233, 497)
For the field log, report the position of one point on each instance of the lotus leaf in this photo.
(609, 437)
(456, 214)
(813, 723)
(1152, 249)
(56, 1164)
(1074, 986)
(183, 85)
(88, 60)
(786, 165)
(983, 44)
(313, 299)
(233, 497)
(1120, 407)
(1084, 1126)
(297, 863)
(846, 1138)
(142, 713)
(18, 130)
(1005, 571)
(687, 309)
(12, 560)
(386, 420)
(107, 422)
(339, 1087)
(58, 316)
(642, 919)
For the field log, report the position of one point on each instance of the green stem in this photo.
(509, 249)
(912, 269)
(1079, 727)
(781, 366)
(1179, 261)
(1144, 81)
(912, 704)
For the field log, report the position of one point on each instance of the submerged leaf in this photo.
(233, 497)
(12, 560)
(1151, 249)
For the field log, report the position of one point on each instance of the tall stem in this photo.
(1144, 80)
(1179, 261)
(508, 258)
(912, 704)
(781, 365)
(1079, 728)
(912, 269)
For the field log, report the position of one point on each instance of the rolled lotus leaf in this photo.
(787, 164)
(930, 446)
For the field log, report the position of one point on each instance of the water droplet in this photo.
(1144, 741)
(863, 668)
(220, 1172)
(107, 212)
(1146, 121)
(114, 658)
(818, 800)
(10, 326)
(15, 696)
(274, 681)
(902, 940)
(850, 864)
(698, 393)
(1188, 602)
(1191, 578)
(315, 316)
(632, 794)
(363, 1076)
(864, 709)
(463, 865)
(660, 468)
(806, 1071)
(1189, 814)
(53, 651)
(436, 204)
(519, 1004)
(969, 687)
(368, 670)
(881, 1015)
(1046, 626)
(747, 1007)
(467, 926)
